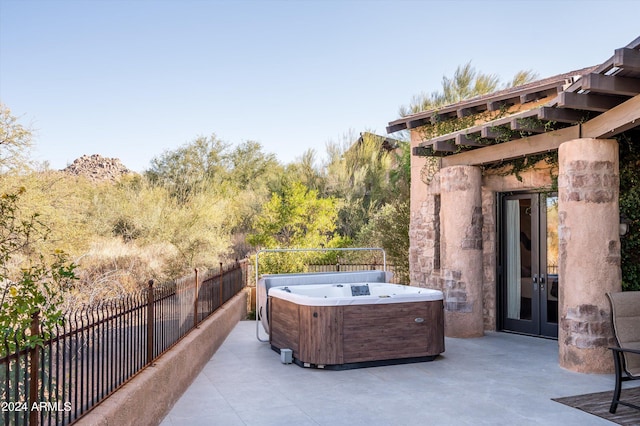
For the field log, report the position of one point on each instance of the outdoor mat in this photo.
(598, 405)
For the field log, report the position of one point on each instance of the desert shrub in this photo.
(61, 202)
(145, 215)
(31, 284)
(112, 268)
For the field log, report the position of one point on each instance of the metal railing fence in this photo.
(99, 348)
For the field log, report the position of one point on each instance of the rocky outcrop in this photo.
(98, 168)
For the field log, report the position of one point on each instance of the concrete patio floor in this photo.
(499, 379)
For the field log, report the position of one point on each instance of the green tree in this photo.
(295, 217)
(252, 175)
(29, 284)
(249, 167)
(400, 174)
(359, 176)
(242, 176)
(307, 170)
(522, 77)
(388, 226)
(190, 168)
(61, 201)
(15, 141)
(466, 83)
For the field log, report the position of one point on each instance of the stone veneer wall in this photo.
(489, 250)
(424, 229)
(424, 235)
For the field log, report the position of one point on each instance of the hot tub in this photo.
(356, 324)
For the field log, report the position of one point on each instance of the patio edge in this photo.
(148, 397)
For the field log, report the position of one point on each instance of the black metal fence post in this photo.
(221, 285)
(150, 328)
(195, 301)
(34, 361)
(238, 276)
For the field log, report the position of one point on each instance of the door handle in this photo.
(538, 279)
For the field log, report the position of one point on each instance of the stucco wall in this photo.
(150, 395)
(589, 252)
(461, 222)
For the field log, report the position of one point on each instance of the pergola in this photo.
(595, 102)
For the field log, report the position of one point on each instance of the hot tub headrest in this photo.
(324, 278)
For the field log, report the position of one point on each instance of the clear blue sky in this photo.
(131, 79)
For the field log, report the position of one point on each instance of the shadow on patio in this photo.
(497, 379)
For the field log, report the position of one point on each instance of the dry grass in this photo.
(112, 268)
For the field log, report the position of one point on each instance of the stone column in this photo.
(461, 250)
(589, 252)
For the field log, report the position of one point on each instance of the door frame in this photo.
(538, 325)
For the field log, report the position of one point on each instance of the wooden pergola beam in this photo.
(529, 97)
(615, 121)
(588, 102)
(514, 149)
(627, 58)
(444, 146)
(412, 124)
(562, 115)
(468, 140)
(611, 84)
(502, 103)
(396, 127)
(524, 125)
(465, 112)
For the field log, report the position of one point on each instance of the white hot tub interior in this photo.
(353, 293)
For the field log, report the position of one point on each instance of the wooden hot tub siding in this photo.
(334, 335)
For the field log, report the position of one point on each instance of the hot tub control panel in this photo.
(360, 290)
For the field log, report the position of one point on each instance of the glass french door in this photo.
(529, 263)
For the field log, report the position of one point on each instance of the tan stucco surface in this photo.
(461, 245)
(588, 189)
